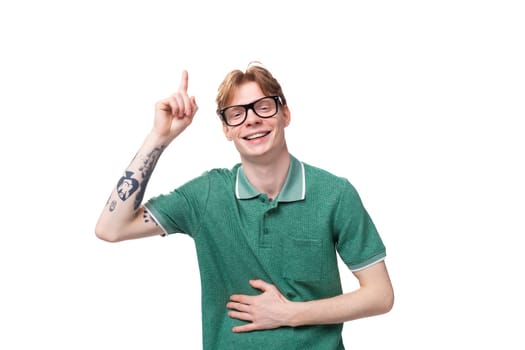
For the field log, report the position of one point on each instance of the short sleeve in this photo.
(181, 210)
(358, 241)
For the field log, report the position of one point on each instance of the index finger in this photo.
(183, 87)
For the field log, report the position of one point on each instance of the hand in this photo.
(175, 113)
(265, 311)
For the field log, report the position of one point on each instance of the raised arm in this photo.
(124, 217)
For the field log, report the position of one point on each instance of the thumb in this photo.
(194, 103)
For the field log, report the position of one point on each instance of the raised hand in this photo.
(175, 113)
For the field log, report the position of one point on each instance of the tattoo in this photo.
(149, 164)
(148, 218)
(126, 186)
(112, 203)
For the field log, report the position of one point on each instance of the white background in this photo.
(419, 104)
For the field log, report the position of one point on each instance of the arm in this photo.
(272, 310)
(124, 217)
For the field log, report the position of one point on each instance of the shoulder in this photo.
(315, 175)
(321, 183)
(221, 173)
(212, 178)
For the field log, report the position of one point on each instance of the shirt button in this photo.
(266, 231)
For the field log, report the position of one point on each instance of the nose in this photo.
(251, 117)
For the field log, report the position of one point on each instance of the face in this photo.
(257, 137)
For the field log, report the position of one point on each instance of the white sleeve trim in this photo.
(366, 266)
(165, 232)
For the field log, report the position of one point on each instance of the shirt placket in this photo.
(265, 234)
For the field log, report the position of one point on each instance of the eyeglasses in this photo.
(265, 107)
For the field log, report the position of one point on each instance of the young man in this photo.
(267, 231)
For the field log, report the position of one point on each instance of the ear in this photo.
(227, 131)
(287, 115)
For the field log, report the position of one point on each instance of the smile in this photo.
(256, 136)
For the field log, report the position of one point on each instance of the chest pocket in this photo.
(303, 260)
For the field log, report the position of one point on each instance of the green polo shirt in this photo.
(291, 242)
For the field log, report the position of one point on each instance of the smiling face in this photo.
(257, 138)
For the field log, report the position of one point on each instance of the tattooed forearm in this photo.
(148, 218)
(111, 203)
(150, 161)
(146, 170)
(128, 184)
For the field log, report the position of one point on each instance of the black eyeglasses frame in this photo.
(249, 106)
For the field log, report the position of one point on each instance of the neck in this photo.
(268, 177)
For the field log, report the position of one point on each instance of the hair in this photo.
(255, 72)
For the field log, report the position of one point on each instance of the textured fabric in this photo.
(292, 244)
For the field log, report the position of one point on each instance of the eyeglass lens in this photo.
(266, 107)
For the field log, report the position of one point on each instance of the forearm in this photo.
(375, 296)
(271, 309)
(123, 216)
(342, 308)
(125, 200)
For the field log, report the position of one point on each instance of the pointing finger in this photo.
(183, 87)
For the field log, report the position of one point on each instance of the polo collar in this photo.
(293, 189)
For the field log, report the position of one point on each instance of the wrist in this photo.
(295, 310)
(155, 140)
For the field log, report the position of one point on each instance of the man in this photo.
(267, 231)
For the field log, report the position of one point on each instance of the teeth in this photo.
(254, 136)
